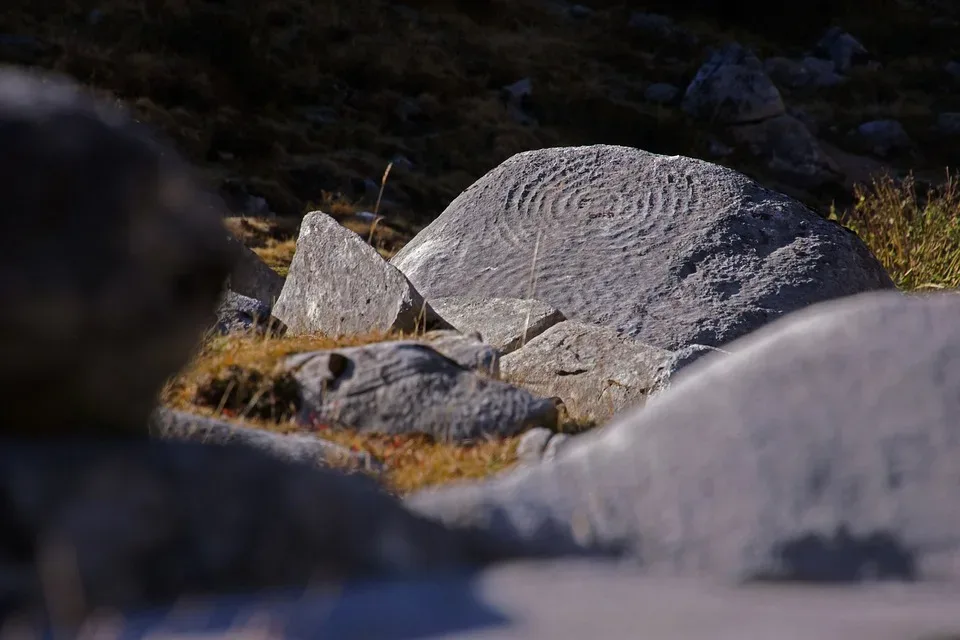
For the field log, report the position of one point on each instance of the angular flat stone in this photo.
(732, 87)
(668, 250)
(180, 426)
(572, 600)
(408, 387)
(505, 323)
(825, 447)
(339, 285)
(593, 370)
(113, 261)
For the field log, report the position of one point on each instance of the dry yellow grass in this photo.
(236, 377)
(914, 233)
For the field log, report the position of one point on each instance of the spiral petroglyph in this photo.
(667, 249)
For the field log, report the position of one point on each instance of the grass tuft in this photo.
(916, 236)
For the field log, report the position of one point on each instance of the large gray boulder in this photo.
(668, 250)
(595, 372)
(408, 387)
(134, 524)
(339, 285)
(111, 266)
(825, 447)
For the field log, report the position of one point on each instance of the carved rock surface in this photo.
(668, 250)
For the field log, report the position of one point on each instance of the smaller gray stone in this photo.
(821, 73)
(238, 314)
(949, 123)
(718, 149)
(789, 149)
(339, 285)
(499, 321)
(592, 369)
(519, 90)
(732, 88)
(467, 350)
(408, 387)
(661, 93)
(579, 11)
(883, 137)
(532, 444)
(843, 49)
(180, 426)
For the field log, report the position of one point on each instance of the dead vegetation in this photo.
(296, 102)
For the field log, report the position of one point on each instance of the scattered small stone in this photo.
(949, 124)
(809, 72)
(953, 68)
(733, 88)
(661, 93)
(843, 49)
(883, 137)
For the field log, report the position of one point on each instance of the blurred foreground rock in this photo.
(111, 263)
